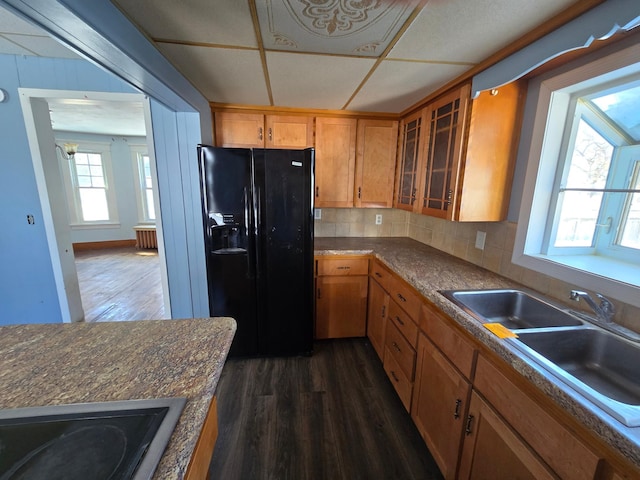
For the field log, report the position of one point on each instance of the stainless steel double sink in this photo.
(599, 365)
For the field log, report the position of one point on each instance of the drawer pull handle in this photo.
(456, 413)
(402, 298)
(384, 310)
(317, 191)
(260, 133)
(395, 377)
(395, 345)
(469, 422)
(319, 294)
(344, 267)
(399, 320)
(378, 275)
(270, 134)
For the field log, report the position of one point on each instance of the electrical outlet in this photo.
(317, 213)
(30, 219)
(379, 219)
(480, 239)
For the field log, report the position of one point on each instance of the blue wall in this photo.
(27, 287)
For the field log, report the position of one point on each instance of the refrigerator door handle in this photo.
(251, 264)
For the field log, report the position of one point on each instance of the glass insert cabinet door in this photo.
(446, 126)
(409, 161)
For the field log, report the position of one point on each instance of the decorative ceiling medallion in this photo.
(332, 18)
(362, 28)
(283, 41)
(368, 48)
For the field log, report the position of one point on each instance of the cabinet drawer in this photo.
(455, 347)
(403, 352)
(405, 297)
(557, 446)
(342, 266)
(401, 383)
(381, 275)
(404, 322)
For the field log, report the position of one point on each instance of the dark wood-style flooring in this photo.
(333, 415)
(118, 284)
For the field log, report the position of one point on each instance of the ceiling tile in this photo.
(224, 75)
(221, 22)
(11, 23)
(464, 31)
(315, 81)
(10, 48)
(42, 46)
(395, 85)
(362, 28)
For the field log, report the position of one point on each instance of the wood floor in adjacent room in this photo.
(119, 284)
(333, 415)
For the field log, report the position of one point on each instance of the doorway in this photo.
(52, 115)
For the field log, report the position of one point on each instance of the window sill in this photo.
(608, 276)
(95, 226)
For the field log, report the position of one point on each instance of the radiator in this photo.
(146, 236)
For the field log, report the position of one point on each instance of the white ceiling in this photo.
(359, 55)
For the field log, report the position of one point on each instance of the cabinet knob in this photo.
(378, 275)
(395, 377)
(319, 294)
(399, 320)
(402, 298)
(384, 310)
(395, 345)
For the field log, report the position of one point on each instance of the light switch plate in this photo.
(317, 213)
(480, 239)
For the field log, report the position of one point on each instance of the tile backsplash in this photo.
(459, 240)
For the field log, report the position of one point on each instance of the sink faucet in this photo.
(604, 312)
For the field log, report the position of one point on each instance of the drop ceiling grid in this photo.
(316, 81)
(381, 93)
(223, 75)
(221, 22)
(463, 31)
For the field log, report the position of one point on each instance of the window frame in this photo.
(616, 278)
(72, 190)
(137, 152)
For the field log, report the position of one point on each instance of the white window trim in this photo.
(536, 201)
(141, 149)
(75, 220)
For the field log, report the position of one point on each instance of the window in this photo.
(580, 214)
(91, 186)
(144, 185)
(88, 180)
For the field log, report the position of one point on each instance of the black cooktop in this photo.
(110, 441)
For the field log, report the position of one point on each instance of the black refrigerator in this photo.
(258, 223)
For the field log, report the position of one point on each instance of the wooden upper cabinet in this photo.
(288, 131)
(335, 161)
(254, 130)
(457, 155)
(445, 128)
(375, 163)
(240, 130)
(410, 158)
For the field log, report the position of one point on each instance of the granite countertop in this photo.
(54, 364)
(430, 270)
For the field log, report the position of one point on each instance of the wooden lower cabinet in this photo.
(341, 297)
(492, 450)
(439, 408)
(341, 307)
(198, 468)
(377, 316)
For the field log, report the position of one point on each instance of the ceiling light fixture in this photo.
(70, 149)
